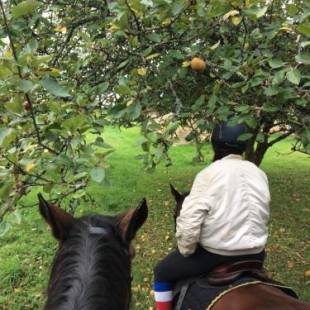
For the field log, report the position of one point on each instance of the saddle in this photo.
(204, 290)
(230, 272)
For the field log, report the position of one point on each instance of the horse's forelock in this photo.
(90, 266)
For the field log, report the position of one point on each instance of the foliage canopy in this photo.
(68, 68)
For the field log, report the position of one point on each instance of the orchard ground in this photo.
(26, 251)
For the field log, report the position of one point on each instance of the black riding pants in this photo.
(175, 266)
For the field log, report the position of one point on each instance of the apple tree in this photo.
(68, 68)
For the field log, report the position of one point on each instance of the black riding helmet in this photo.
(226, 137)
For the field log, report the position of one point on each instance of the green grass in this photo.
(27, 250)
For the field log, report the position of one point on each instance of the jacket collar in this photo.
(232, 156)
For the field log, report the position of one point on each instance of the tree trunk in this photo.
(260, 152)
(199, 158)
(255, 151)
(256, 155)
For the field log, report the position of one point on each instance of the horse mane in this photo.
(90, 270)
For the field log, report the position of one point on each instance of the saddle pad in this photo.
(197, 294)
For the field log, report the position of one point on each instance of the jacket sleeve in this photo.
(194, 210)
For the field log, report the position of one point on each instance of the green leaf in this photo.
(217, 8)
(292, 9)
(103, 87)
(74, 123)
(260, 137)
(198, 103)
(123, 64)
(279, 76)
(6, 135)
(4, 227)
(178, 7)
(242, 108)
(293, 76)
(176, 54)
(134, 110)
(123, 90)
(17, 216)
(14, 105)
(172, 127)
(304, 29)
(24, 8)
(257, 80)
(147, 2)
(25, 85)
(269, 107)
(4, 72)
(5, 189)
(256, 12)
(276, 63)
(54, 88)
(303, 58)
(251, 121)
(33, 45)
(154, 37)
(80, 176)
(271, 91)
(97, 174)
(245, 136)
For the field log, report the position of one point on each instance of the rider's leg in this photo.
(175, 267)
(163, 295)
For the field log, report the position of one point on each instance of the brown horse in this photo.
(92, 267)
(257, 296)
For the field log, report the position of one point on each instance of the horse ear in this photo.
(177, 196)
(132, 220)
(59, 220)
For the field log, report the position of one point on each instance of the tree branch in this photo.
(282, 137)
(27, 97)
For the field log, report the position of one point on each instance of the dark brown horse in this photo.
(255, 296)
(92, 267)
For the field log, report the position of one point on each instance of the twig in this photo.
(300, 151)
(56, 200)
(135, 17)
(178, 102)
(23, 172)
(244, 39)
(70, 34)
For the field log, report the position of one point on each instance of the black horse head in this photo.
(179, 198)
(92, 267)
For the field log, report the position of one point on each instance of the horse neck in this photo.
(87, 276)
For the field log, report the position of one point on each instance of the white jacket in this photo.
(227, 210)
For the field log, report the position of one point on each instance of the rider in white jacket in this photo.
(224, 218)
(227, 210)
